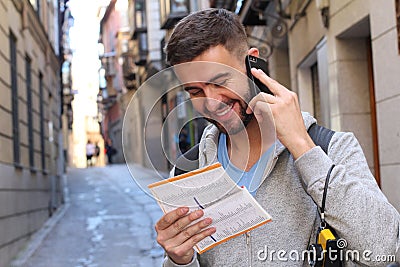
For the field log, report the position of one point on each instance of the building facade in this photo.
(30, 110)
(343, 59)
(113, 92)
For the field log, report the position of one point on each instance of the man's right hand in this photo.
(176, 238)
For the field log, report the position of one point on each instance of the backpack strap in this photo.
(321, 136)
(189, 161)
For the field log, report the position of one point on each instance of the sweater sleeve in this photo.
(169, 263)
(355, 206)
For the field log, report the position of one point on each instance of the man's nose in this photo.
(213, 98)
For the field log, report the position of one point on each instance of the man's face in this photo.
(218, 87)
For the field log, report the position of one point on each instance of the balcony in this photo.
(251, 12)
(141, 49)
(105, 99)
(172, 11)
(68, 95)
(139, 18)
(129, 70)
(108, 63)
(226, 4)
(141, 58)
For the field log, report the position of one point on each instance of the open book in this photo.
(232, 208)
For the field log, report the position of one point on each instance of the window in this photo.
(171, 11)
(41, 114)
(141, 49)
(28, 70)
(315, 91)
(398, 23)
(14, 98)
(38, 8)
(143, 42)
(140, 14)
(313, 80)
(163, 54)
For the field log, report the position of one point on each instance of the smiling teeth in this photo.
(225, 111)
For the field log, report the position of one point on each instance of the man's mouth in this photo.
(225, 110)
(222, 118)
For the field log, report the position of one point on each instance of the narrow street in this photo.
(109, 222)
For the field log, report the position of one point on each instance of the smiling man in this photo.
(291, 191)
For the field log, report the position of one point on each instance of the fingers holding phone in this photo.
(257, 63)
(285, 108)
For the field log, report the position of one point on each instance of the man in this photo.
(292, 191)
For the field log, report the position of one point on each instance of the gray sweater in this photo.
(291, 193)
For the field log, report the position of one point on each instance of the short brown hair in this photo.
(204, 29)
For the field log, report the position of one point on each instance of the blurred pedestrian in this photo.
(90, 151)
(96, 154)
(110, 151)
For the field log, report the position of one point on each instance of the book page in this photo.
(233, 210)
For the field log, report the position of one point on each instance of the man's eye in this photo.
(194, 92)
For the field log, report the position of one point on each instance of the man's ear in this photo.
(253, 52)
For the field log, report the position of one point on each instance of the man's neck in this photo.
(244, 148)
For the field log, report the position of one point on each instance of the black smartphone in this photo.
(258, 63)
